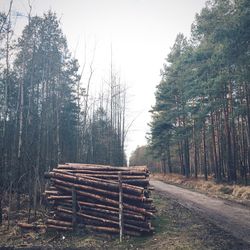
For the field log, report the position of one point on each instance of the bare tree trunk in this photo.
(217, 175)
(230, 114)
(20, 132)
(204, 151)
(229, 147)
(3, 157)
(247, 90)
(164, 168)
(186, 157)
(1, 210)
(58, 152)
(111, 108)
(169, 158)
(195, 153)
(180, 150)
(37, 164)
(10, 201)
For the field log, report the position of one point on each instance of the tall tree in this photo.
(204, 93)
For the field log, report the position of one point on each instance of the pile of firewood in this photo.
(89, 196)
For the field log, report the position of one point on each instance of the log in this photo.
(51, 192)
(107, 181)
(111, 177)
(114, 213)
(112, 230)
(90, 195)
(59, 223)
(104, 200)
(106, 221)
(107, 209)
(58, 197)
(86, 216)
(129, 225)
(100, 167)
(60, 227)
(99, 191)
(25, 225)
(98, 200)
(89, 214)
(101, 199)
(94, 181)
(87, 171)
(97, 206)
(104, 208)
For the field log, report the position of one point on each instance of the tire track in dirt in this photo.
(231, 217)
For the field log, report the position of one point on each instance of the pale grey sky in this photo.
(141, 33)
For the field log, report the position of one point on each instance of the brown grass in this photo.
(235, 192)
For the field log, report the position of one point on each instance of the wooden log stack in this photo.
(86, 195)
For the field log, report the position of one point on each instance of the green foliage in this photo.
(206, 79)
(38, 96)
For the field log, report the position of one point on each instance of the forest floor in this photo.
(176, 227)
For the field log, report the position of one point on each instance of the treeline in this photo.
(142, 156)
(201, 118)
(47, 115)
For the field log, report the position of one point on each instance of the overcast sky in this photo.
(141, 33)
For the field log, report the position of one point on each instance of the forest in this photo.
(47, 114)
(64, 157)
(201, 117)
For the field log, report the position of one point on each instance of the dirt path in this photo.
(229, 216)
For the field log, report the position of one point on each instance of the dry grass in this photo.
(234, 192)
(175, 228)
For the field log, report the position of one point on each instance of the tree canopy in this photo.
(202, 102)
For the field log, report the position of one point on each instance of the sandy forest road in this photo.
(229, 216)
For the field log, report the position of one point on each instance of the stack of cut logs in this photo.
(84, 195)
